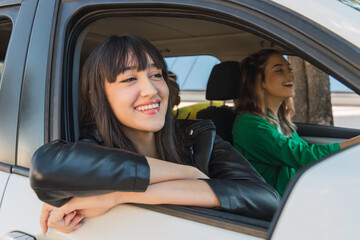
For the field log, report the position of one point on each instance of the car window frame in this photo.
(66, 71)
(20, 14)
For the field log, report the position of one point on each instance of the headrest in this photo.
(224, 81)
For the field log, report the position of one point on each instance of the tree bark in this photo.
(301, 93)
(312, 93)
(320, 111)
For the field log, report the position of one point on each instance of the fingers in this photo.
(76, 222)
(69, 217)
(63, 222)
(45, 214)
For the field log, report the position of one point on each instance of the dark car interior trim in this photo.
(312, 130)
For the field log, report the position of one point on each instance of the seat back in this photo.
(223, 84)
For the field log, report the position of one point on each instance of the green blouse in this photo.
(275, 156)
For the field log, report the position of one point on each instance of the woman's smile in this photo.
(139, 99)
(149, 107)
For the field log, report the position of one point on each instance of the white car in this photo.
(43, 44)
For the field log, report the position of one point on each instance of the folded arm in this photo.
(180, 192)
(63, 170)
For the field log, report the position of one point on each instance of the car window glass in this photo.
(192, 71)
(5, 32)
(345, 105)
(321, 99)
(352, 3)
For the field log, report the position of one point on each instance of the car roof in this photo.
(335, 15)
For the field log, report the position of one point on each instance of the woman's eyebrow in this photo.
(277, 65)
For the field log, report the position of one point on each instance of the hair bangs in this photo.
(127, 53)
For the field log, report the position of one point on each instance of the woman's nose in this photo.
(290, 74)
(147, 87)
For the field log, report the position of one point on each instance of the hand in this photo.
(50, 217)
(68, 217)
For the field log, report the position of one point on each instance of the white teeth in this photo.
(148, 107)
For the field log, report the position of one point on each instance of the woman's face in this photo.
(139, 99)
(279, 78)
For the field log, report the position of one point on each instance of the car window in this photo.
(345, 105)
(191, 65)
(352, 3)
(5, 32)
(192, 71)
(321, 99)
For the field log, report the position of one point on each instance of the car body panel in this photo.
(12, 79)
(3, 182)
(128, 221)
(20, 209)
(327, 192)
(33, 115)
(131, 222)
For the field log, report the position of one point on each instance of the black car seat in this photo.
(223, 84)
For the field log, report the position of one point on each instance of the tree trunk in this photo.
(320, 109)
(312, 93)
(301, 93)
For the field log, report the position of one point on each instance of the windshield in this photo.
(352, 3)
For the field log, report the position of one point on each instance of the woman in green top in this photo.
(263, 131)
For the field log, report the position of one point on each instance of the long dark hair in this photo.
(252, 99)
(106, 61)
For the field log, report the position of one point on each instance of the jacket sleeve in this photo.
(238, 186)
(62, 170)
(265, 145)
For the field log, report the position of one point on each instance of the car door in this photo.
(7, 156)
(16, 18)
(12, 59)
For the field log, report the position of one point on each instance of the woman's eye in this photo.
(156, 76)
(128, 80)
(279, 71)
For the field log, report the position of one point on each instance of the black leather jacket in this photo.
(62, 170)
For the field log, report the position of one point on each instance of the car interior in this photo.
(180, 36)
(191, 36)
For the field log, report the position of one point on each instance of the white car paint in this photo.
(127, 221)
(19, 206)
(332, 14)
(3, 181)
(324, 204)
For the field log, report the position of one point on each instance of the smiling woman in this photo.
(263, 131)
(132, 151)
